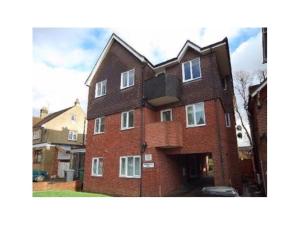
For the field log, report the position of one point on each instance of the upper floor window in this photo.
(127, 120)
(99, 125)
(100, 89)
(227, 120)
(127, 79)
(191, 70)
(37, 158)
(97, 167)
(195, 115)
(73, 118)
(166, 115)
(72, 136)
(36, 134)
(130, 166)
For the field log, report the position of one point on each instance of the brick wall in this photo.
(46, 186)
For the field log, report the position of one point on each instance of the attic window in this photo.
(191, 70)
(73, 118)
(100, 89)
(127, 79)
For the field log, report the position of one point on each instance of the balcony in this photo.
(164, 134)
(163, 89)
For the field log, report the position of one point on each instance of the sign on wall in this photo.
(148, 157)
(148, 165)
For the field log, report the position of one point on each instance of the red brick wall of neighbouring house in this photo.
(46, 186)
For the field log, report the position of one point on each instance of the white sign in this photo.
(148, 165)
(148, 157)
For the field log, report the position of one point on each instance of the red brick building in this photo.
(258, 124)
(156, 129)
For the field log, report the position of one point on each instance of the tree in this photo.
(242, 81)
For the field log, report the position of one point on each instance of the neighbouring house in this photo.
(246, 163)
(59, 141)
(156, 129)
(258, 124)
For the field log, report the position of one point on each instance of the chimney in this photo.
(77, 102)
(43, 112)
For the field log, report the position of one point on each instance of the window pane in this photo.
(124, 77)
(97, 125)
(98, 89)
(123, 166)
(124, 120)
(102, 124)
(199, 113)
(103, 91)
(131, 77)
(130, 166)
(137, 166)
(100, 167)
(190, 113)
(167, 116)
(196, 68)
(95, 166)
(130, 119)
(187, 71)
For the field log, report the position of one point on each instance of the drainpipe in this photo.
(143, 144)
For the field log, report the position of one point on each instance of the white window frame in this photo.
(166, 110)
(194, 114)
(227, 120)
(100, 123)
(92, 172)
(72, 132)
(126, 166)
(101, 84)
(36, 134)
(191, 69)
(127, 120)
(126, 73)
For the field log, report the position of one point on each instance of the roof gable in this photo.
(50, 117)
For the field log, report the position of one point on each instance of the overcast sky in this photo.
(63, 58)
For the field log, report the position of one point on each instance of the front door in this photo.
(62, 166)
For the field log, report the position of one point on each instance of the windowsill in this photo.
(200, 125)
(99, 96)
(99, 133)
(125, 88)
(130, 177)
(72, 140)
(129, 128)
(190, 81)
(97, 175)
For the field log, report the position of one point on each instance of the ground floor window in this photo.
(37, 156)
(97, 167)
(130, 166)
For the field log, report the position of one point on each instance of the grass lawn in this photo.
(65, 194)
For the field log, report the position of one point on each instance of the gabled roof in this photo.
(253, 90)
(35, 120)
(50, 117)
(143, 59)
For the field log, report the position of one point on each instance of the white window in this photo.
(195, 115)
(191, 70)
(72, 136)
(73, 118)
(97, 167)
(127, 79)
(36, 134)
(100, 89)
(130, 166)
(166, 115)
(127, 120)
(99, 125)
(227, 120)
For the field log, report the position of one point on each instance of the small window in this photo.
(72, 136)
(127, 79)
(127, 120)
(191, 70)
(227, 120)
(166, 115)
(36, 134)
(100, 89)
(73, 118)
(195, 114)
(130, 166)
(99, 125)
(97, 167)
(37, 158)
